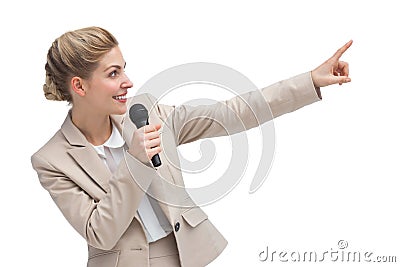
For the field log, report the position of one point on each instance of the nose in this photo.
(126, 83)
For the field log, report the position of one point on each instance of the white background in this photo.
(335, 172)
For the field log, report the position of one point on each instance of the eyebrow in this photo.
(114, 66)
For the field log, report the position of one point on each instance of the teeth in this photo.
(121, 97)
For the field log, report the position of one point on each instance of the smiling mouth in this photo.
(120, 97)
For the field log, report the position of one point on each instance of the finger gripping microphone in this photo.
(140, 117)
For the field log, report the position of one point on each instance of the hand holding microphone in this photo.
(146, 139)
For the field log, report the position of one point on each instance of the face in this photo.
(106, 89)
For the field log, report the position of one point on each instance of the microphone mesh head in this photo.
(138, 115)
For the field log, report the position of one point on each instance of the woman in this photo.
(98, 176)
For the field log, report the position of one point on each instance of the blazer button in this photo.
(177, 226)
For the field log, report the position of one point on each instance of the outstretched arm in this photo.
(190, 123)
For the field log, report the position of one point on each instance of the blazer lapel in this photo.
(90, 162)
(85, 155)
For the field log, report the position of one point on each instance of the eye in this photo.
(113, 73)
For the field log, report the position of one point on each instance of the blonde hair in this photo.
(75, 53)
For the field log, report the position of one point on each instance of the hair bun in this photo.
(50, 90)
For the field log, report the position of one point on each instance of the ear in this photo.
(77, 86)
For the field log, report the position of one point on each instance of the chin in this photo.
(120, 111)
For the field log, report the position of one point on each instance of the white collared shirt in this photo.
(153, 218)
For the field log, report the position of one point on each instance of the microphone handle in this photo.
(156, 160)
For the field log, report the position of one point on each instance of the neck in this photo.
(95, 127)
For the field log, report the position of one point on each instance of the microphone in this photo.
(140, 117)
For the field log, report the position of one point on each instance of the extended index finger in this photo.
(341, 50)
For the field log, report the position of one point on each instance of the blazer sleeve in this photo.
(190, 123)
(101, 222)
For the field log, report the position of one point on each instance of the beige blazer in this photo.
(103, 207)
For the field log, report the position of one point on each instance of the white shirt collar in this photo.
(114, 141)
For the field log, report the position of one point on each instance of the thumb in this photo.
(342, 79)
